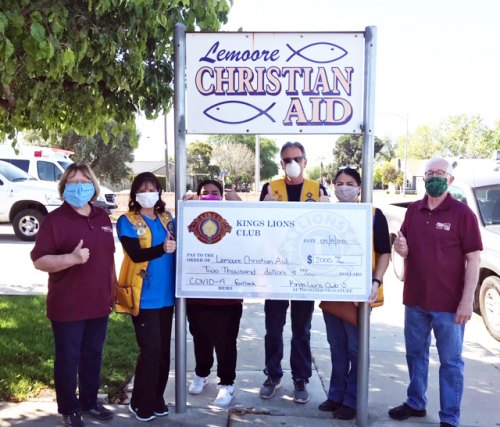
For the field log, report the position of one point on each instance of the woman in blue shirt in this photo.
(147, 234)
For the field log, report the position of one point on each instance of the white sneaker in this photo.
(197, 385)
(225, 395)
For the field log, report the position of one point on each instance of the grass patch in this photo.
(27, 350)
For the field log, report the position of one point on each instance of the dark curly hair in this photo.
(137, 183)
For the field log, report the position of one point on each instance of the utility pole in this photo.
(167, 169)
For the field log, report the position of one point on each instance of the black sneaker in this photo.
(402, 412)
(73, 420)
(269, 388)
(99, 412)
(300, 394)
(139, 415)
(161, 411)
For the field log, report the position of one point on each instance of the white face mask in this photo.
(147, 200)
(293, 169)
(346, 193)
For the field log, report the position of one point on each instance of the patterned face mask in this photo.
(436, 186)
(346, 193)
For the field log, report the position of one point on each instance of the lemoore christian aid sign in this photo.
(274, 83)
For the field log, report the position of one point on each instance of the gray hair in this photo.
(449, 166)
(291, 144)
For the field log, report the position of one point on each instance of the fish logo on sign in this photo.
(319, 53)
(209, 227)
(239, 110)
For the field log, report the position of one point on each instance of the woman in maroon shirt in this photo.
(75, 245)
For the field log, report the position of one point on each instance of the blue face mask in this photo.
(78, 195)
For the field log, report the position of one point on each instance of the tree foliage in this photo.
(107, 160)
(199, 157)
(390, 174)
(458, 136)
(234, 160)
(268, 151)
(348, 150)
(78, 65)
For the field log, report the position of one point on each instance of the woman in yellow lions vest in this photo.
(341, 334)
(146, 291)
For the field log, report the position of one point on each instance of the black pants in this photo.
(215, 327)
(153, 328)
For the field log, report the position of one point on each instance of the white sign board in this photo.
(274, 83)
(275, 250)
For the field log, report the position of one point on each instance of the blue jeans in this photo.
(300, 354)
(78, 357)
(343, 339)
(449, 342)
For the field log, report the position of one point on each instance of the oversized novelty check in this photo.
(274, 250)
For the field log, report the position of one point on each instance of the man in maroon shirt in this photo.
(441, 243)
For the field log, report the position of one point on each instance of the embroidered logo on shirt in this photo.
(209, 227)
(446, 226)
(107, 228)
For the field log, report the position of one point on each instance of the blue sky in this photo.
(435, 58)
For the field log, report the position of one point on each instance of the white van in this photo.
(48, 164)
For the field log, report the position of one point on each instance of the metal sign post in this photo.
(366, 196)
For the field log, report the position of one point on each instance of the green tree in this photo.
(314, 173)
(348, 150)
(389, 174)
(77, 65)
(107, 160)
(236, 160)
(465, 136)
(423, 144)
(199, 156)
(268, 151)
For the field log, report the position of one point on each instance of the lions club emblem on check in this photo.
(209, 227)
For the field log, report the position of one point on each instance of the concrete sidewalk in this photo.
(388, 380)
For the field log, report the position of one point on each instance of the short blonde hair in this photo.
(85, 170)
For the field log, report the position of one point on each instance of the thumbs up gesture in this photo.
(80, 254)
(269, 197)
(400, 245)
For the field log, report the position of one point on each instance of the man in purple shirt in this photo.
(441, 243)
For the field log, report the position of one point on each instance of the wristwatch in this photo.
(379, 282)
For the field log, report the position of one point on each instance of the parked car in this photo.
(48, 164)
(25, 201)
(477, 185)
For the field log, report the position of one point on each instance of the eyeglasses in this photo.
(439, 173)
(289, 159)
(355, 168)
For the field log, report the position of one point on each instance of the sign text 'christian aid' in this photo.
(274, 83)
